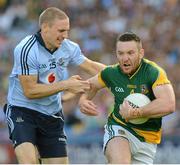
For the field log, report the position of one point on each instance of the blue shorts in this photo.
(45, 132)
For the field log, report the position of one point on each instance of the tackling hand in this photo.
(88, 107)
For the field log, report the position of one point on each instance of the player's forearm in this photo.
(44, 90)
(88, 95)
(92, 67)
(96, 68)
(158, 108)
(68, 96)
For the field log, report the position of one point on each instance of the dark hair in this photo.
(128, 36)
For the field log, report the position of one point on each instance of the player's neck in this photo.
(48, 46)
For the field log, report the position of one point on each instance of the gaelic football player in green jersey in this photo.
(125, 142)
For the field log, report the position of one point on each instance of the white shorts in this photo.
(141, 152)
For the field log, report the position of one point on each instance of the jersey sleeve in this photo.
(157, 76)
(161, 78)
(100, 80)
(77, 57)
(25, 59)
(103, 77)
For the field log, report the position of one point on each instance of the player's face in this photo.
(129, 55)
(56, 32)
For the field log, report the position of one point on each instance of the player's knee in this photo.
(118, 161)
(26, 153)
(60, 160)
(27, 159)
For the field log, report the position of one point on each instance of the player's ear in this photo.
(44, 27)
(141, 53)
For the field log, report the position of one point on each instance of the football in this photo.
(138, 100)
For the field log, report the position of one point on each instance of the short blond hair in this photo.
(50, 14)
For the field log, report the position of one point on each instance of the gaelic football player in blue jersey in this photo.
(34, 109)
(125, 142)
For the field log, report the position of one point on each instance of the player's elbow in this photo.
(171, 106)
(29, 94)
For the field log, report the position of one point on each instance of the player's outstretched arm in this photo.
(32, 89)
(92, 67)
(85, 102)
(89, 66)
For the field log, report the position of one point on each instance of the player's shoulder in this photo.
(110, 73)
(113, 67)
(153, 70)
(152, 66)
(68, 44)
(26, 42)
(110, 70)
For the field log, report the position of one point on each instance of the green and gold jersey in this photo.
(147, 76)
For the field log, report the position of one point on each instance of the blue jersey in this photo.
(31, 57)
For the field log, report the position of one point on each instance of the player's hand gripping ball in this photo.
(137, 100)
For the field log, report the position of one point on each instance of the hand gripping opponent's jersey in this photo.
(147, 76)
(32, 58)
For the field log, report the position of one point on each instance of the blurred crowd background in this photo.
(95, 25)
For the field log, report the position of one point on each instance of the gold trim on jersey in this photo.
(118, 119)
(100, 80)
(161, 80)
(114, 65)
(136, 71)
(131, 86)
(150, 136)
(162, 77)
